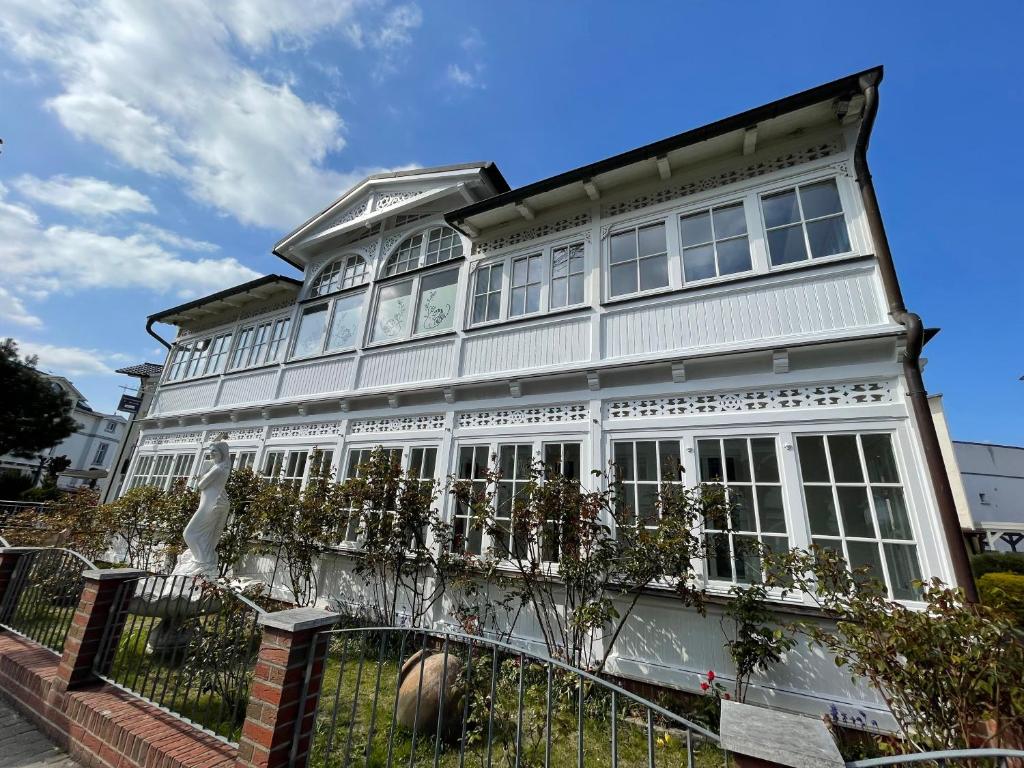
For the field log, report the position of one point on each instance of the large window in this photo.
(163, 471)
(641, 469)
(260, 343)
(242, 459)
(101, 453)
(329, 327)
(420, 462)
(805, 222)
(748, 468)
(472, 466)
(639, 260)
(346, 272)
(420, 305)
(514, 464)
(432, 247)
(856, 506)
(529, 284)
(714, 242)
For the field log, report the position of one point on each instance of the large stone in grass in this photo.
(430, 667)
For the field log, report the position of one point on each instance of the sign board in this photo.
(129, 404)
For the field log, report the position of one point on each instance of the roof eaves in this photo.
(233, 291)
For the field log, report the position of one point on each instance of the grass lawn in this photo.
(354, 725)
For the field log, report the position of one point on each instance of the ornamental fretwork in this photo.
(174, 438)
(503, 417)
(782, 398)
(532, 233)
(319, 429)
(397, 424)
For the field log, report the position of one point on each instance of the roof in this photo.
(487, 168)
(142, 370)
(850, 85)
(254, 290)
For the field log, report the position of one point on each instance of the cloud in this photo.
(68, 361)
(13, 309)
(463, 78)
(468, 76)
(37, 259)
(174, 240)
(171, 89)
(83, 195)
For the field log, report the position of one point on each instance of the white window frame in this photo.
(415, 297)
(546, 253)
(260, 350)
(331, 302)
(421, 252)
(348, 272)
(710, 210)
(101, 453)
(846, 213)
(288, 451)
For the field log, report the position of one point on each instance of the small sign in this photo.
(129, 404)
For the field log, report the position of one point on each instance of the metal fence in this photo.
(42, 596)
(398, 696)
(1000, 758)
(185, 644)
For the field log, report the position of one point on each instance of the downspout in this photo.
(911, 357)
(154, 334)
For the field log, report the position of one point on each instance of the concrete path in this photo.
(22, 745)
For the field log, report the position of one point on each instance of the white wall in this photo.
(993, 477)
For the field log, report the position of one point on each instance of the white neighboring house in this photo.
(724, 298)
(91, 449)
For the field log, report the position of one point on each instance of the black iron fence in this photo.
(398, 696)
(987, 757)
(187, 645)
(43, 593)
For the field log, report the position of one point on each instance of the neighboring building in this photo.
(90, 449)
(148, 375)
(988, 485)
(724, 298)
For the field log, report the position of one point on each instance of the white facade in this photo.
(524, 329)
(91, 449)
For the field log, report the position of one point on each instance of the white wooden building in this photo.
(725, 296)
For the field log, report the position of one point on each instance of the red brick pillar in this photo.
(96, 611)
(9, 557)
(278, 725)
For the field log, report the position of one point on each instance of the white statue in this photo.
(204, 529)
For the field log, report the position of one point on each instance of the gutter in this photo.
(154, 334)
(911, 357)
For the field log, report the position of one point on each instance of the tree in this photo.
(34, 415)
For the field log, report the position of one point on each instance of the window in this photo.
(101, 453)
(278, 339)
(260, 343)
(748, 468)
(566, 275)
(161, 470)
(357, 459)
(856, 506)
(641, 468)
(290, 467)
(312, 324)
(110, 426)
(142, 470)
(514, 464)
(242, 459)
(219, 353)
(526, 284)
(559, 459)
(339, 274)
(487, 294)
(197, 362)
(318, 334)
(472, 466)
(714, 242)
(805, 222)
(182, 471)
(423, 249)
(639, 260)
(435, 296)
(178, 362)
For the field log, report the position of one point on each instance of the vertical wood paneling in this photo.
(535, 346)
(186, 397)
(398, 366)
(248, 388)
(316, 378)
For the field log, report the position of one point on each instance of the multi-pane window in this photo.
(559, 459)
(748, 469)
(181, 472)
(161, 470)
(310, 337)
(219, 353)
(423, 249)
(260, 343)
(566, 276)
(142, 469)
(639, 260)
(101, 453)
(242, 459)
(805, 222)
(434, 296)
(514, 463)
(197, 361)
(642, 468)
(278, 339)
(358, 458)
(714, 242)
(240, 357)
(178, 362)
(487, 294)
(526, 284)
(856, 506)
(346, 272)
(328, 327)
(289, 467)
(472, 466)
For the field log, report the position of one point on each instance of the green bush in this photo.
(13, 483)
(1004, 590)
(997, 562)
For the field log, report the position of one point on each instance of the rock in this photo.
(432, 665)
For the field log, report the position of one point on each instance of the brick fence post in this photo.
(95, 612)
(9, 558)
(758, 737)
(278, 725)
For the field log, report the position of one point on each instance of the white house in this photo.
(724, 297)
(90, 449)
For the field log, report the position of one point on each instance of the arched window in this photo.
(423, 249)
(346, 272)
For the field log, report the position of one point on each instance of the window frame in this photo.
(421, 250)
(545, 253)
(259, 350)
(671, 264)
(710, 209)
(359, 277)
(415, 278)
(795, 185)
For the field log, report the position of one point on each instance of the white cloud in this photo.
(463, 78)
(174, 240)
(164, 88)
(38, 259)
(84, 195)
(470, 75)
(13, 309)
(68, 361)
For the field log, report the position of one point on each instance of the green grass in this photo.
(349, 717)
(41, 617)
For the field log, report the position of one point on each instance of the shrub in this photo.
(997, 562)
(14, 483)
(1005, 591)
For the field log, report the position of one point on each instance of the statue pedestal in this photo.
(176, 601)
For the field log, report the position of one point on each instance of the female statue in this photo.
(204, 529)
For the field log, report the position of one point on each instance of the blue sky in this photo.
(155, 152)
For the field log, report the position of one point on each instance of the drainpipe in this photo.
(911, 357)
(155, 335)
